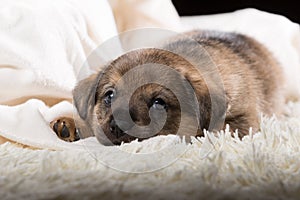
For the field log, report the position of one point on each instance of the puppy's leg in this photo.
(65, 129)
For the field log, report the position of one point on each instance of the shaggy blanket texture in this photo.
(265, 165)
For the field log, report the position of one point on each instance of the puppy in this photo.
(195, 81)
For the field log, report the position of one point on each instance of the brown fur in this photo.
(249, 86)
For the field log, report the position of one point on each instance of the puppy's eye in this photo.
(159, 104)
(108, 97)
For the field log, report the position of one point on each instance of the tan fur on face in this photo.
(249, 85)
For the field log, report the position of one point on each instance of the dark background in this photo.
(290, 9)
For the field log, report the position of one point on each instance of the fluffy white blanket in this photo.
(43, 47)
(263, 166)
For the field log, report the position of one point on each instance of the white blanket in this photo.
(44, 45)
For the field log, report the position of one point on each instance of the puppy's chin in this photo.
(106, 137)
(112, 140)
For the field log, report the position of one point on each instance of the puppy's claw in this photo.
(77, 134)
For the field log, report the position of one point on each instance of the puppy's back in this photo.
(251, 76)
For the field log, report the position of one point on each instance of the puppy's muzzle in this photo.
(119, 126)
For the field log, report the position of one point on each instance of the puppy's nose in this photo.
(115, 127)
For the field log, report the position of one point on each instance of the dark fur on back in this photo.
(251, 76)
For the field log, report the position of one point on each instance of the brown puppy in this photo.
(200, 80)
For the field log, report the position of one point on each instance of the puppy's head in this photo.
(141, 94)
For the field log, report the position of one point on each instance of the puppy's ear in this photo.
(84, 95)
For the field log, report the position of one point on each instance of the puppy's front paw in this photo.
(65, 129)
